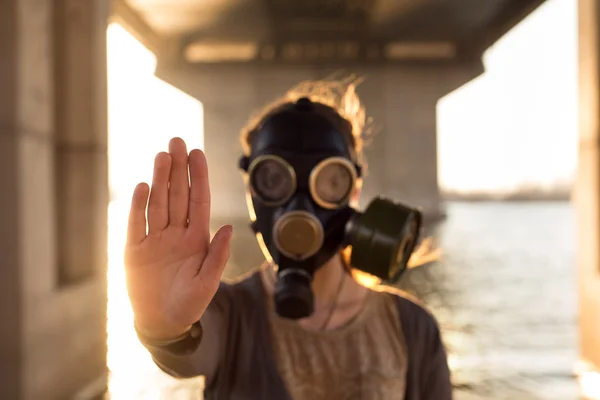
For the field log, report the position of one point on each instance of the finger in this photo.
(158, 212)
(179, 188)
(199, 204)
(218, 254)
(136, 225)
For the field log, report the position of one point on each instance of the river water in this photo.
(504, 293)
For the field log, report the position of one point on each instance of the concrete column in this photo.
(587, 194)
(402, 156)
(53, 202)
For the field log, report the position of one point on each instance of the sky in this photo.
(143, 113)
(515, 124)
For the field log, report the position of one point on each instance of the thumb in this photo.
(217, 257)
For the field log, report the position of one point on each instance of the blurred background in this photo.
(476, 109)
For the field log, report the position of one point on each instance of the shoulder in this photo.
(242, 292)
(245, 282)
(428, 373)
(416, 319)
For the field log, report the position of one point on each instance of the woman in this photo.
(259, 338)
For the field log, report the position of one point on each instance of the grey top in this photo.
(237, 338)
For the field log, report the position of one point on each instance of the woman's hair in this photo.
(339, 101)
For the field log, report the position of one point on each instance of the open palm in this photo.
(173, 269)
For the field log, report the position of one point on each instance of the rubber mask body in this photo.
(296, 231)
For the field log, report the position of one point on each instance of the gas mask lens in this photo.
(332, 182)
(272, 179)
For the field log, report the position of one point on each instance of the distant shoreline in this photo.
(509, 197)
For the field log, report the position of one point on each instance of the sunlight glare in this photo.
(590, 385)
(144, 113)
(589, 380)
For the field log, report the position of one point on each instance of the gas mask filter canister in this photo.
(381, 240)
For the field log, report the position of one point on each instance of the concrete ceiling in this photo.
(186, 17)
(469, 24)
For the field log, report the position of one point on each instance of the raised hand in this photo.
(173, 268)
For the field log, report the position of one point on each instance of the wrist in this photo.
(162, 333)
(184, 344)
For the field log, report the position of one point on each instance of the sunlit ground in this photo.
(589, 380)
(590, 385)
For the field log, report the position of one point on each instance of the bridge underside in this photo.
(236, 56)
(323, 30)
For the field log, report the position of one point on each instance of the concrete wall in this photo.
(53, 197)
(587, 194)
(402, 157)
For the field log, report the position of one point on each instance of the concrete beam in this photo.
(506, 19)
(473, 25)
(385, 11)
(321, 53)
(123, 14)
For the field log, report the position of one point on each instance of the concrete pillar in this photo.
(402, 157)
(53, 201)
(587, 194)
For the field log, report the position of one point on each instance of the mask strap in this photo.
(244, 163)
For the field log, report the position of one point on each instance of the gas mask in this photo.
(301, 175)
